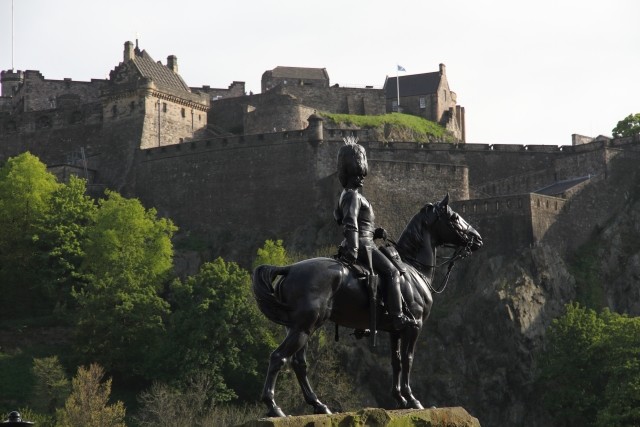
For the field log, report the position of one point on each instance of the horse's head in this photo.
(449, 228)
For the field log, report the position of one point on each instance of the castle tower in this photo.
(11, 81)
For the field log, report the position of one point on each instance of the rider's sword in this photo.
(372, 283)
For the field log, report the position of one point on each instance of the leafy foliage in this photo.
(628, 126)
(52, 386)
(272, 253)
(165, 406)
(590, 370)
(120, 309)
(216, 328)
(26, 189)
(88, 405)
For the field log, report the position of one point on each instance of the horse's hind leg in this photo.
(294, 341)
(299, 365)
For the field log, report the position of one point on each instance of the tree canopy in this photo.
(590, 370)
(628, 126)
(121, 311)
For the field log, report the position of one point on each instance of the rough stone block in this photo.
(376, 417)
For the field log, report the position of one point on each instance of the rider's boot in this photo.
(394, 301)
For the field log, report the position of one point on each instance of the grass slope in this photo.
(395, 127)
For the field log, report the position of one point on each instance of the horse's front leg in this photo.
(293, 342)
(409, 340)
(396, 358)
(299, 365)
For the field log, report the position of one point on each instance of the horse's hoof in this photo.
(415, 404)
(275, 412)
(321, 409)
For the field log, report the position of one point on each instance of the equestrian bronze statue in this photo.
(304, 295)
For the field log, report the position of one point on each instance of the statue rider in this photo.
(355, 214)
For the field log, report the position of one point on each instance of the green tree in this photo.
(71, 215)
(216, 329)
(88, 405)
(52, 386)
(128, 258)
(273, 253)
(26, 189)
(628, 126)
(590, 369)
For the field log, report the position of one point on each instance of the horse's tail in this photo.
(268, 302)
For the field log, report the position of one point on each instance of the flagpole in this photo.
(11, 35)
(398, 85)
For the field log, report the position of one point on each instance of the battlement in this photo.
(515, 221)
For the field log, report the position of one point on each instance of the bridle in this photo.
(461, 229)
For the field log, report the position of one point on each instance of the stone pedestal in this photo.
(375, 417)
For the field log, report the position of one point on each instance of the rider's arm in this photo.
(350, 206)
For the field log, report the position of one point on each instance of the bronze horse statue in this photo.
(304, 295)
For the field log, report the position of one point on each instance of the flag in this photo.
(401, 68)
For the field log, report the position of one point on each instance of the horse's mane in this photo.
(410, 240)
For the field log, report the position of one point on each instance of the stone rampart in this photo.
(400, 189)
(335, 99)
(50, 119)
(35, 93)
(238, 192)
(511, 222)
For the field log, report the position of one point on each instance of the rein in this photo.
(460, 253)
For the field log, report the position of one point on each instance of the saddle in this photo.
(369, 278)
(361, 270)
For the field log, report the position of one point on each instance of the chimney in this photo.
(443, 69)
(128, 51)
(172, 63)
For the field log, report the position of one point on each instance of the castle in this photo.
(235, 169)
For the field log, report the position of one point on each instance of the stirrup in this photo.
(401, 321)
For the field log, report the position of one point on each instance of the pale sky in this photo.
(527, 72)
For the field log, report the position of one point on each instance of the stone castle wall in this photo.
(258, 113)
(237, 192)
(267, 185)
(343, 100)
(37, 93)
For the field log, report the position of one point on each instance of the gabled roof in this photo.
(413, 85)
(162, 76)
(300, 73)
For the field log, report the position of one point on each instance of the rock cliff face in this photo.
(479, 348)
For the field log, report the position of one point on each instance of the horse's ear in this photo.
(444, 201)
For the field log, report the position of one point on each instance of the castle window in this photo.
(423, 102)
(164, 107)
(132, 106)
(394, 105)
(184, 114)
(497, 205)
